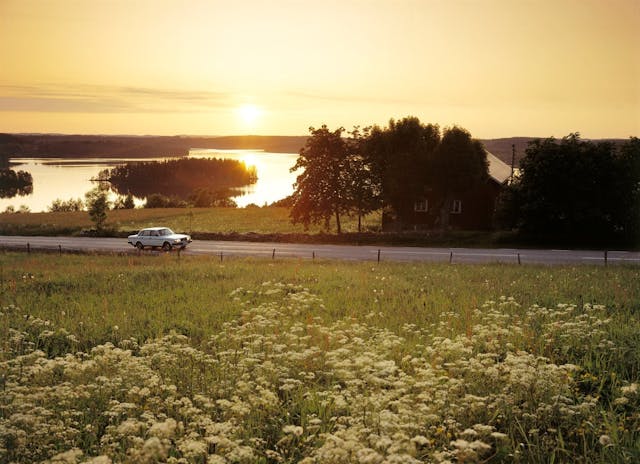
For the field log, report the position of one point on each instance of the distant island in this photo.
(118, 146)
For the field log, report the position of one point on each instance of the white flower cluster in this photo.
(278, 384)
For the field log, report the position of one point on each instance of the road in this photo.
(343, 252)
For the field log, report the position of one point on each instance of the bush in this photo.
(59, 206)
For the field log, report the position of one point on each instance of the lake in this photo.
(70, 178)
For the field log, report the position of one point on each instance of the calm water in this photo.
(67, 178)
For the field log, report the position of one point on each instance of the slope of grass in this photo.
(154, 358)
(193, 220)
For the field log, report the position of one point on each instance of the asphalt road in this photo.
(343, 252)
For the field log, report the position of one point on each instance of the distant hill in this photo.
(79, 146)
(502, 148)
(117, 146)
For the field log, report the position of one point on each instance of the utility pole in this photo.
(513, 160)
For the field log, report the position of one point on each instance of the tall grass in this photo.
(147, 358)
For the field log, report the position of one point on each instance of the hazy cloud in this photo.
(107, 99)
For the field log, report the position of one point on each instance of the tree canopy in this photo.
(320, 191)
(179, 177)
(399, 157)
(458, 164)
(13, 183)
(577, 190)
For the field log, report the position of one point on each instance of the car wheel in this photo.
(166, 246)
(139, 245)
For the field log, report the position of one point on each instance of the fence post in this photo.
(450, 257)
(606, 257)
(313, 255)
(273, 255)
(60, 248)
(378, 254)
(519, 259)
(220, 256)
(28, 247)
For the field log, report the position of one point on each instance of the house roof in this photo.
(498, 169)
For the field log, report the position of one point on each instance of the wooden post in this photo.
(378, 254)
(273, 255)
(60, 248)
(519, 259)
(606, 257)
(220, 256)
(28, 247)
(450, 257)
(313, 255)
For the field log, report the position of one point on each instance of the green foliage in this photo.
(126, 202)
(157, 200)
(362, 190)
(399, 156)
(13, 183)
(59, 206)
(459, 163)
(179, 177)
(207, 198)
(582, 191)
(97, 206)
(321, 188)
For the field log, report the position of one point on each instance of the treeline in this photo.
(576, 191)
(179, 177)
(14, 183)
(78, 146)
(386, 168)
(569, 191)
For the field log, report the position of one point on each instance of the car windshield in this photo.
(166, 232)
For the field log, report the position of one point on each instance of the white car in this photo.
(159, 237)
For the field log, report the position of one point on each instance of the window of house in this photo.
(456, 207)
(420, 205)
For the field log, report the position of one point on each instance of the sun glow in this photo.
(249, 114)
(250, 160)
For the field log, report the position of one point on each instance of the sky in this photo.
(498, 68)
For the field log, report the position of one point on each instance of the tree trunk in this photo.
(338, 221)
(359, 221)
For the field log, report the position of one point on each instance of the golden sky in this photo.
(499, 68)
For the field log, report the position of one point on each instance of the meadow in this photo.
(159, 359)
(190, 220)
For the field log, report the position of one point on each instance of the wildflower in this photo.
(295, 430)
(164, 429)
(604, 440)
(68, 457)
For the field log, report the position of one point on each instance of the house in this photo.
(470, 210)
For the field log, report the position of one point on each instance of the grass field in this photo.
(155, 358)
(190, 220)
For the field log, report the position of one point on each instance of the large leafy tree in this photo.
(577, 190)
(362, 190)
(399, 157)
(321, 189)
(97, 205)
(628, 183)
(459, 164)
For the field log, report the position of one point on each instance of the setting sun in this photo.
(249, 115)
(250, 160)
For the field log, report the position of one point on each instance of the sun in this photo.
(249, 114)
